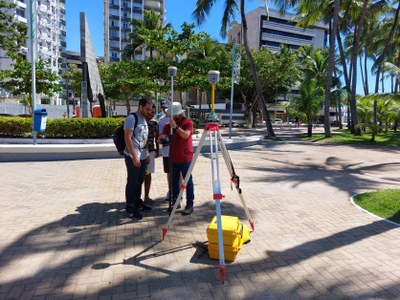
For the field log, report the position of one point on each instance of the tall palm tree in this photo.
(203, 8)
(310, 12)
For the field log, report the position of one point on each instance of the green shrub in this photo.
(64, 128)
(15, 126)
(61, 128)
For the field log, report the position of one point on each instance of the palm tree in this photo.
(310, 12)
(146, 35)
(310, 101)
(203, 8)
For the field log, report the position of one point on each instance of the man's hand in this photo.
(136, 161)
(161, 137)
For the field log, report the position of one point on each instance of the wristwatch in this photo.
(177, 127)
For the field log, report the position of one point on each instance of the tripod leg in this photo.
(217, 197)
(234, 178)
(185, 181)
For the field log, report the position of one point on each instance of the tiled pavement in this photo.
(64, 234)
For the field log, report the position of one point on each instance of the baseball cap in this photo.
(165, 103)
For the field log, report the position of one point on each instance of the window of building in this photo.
(287, 34)
(279, 21)
(20, 12)
(277, 45)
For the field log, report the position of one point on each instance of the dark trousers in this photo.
(176, 170)
(133, 188)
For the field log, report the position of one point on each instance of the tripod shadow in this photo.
(138, 260)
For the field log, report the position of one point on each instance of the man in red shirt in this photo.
(181, 153)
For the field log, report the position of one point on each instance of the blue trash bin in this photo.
(39, 119)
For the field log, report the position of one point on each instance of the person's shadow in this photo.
(103, 214)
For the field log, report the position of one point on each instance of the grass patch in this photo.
(389, 139)
(385, 204)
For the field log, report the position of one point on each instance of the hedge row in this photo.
(64, 128)
(61, 128)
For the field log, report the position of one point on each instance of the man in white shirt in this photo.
(164, 119)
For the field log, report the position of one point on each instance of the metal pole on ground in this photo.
(172, 73)
(33, 61)
(232, 90)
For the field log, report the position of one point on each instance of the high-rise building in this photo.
(118, 15)
(50, 33)
(277, 29)
(274, 30)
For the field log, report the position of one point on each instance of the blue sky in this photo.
(178, 11)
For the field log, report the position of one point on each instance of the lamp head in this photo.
(213, 76)
(172, 71)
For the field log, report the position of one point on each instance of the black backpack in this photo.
(118, 136)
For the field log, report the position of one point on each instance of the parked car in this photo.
(277, 121)
(334, 123)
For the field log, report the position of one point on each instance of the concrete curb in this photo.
(369, 213)
(87, 149)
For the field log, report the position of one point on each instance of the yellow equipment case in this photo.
(232, 237)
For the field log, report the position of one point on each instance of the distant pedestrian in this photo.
(297, 122)
(153, 149)
(136, 158)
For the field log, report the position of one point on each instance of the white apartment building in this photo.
(118, 15)
(277, 29)
(19, 15)
(50, 35)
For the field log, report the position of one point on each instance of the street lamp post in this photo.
(67, 97)
(172, 73)
(33, 61)
(159, 83)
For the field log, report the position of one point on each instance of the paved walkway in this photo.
(64, 234)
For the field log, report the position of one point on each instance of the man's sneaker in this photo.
(145, 207)
(188, 210)
(134, 214)
(166, 197)
(149, 202)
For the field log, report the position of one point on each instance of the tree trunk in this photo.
(366, 88)
(354, 56)
(331, 66)
(385, 50)
(128, 107)
(261, 102)
(254, 116)
(247, 106)
(344, 63)
(362, 73)
(309, 129)
(378, 72)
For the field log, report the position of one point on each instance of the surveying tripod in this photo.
(212, 130)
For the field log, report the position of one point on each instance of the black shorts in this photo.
(166, 164)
